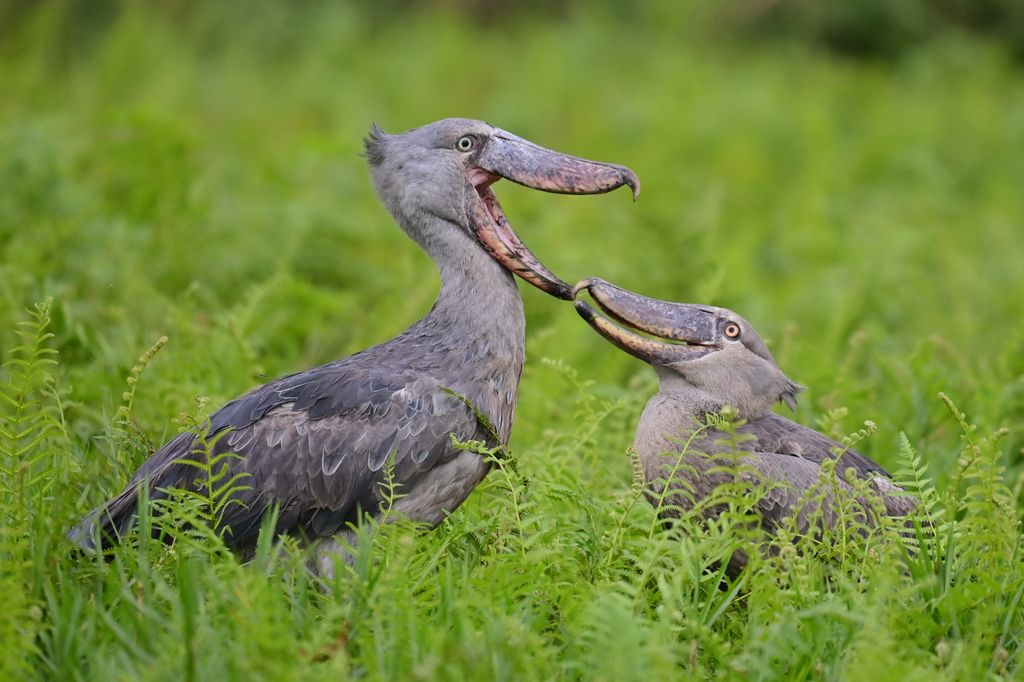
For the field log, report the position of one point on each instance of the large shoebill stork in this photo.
(707, 358)
(316, 443)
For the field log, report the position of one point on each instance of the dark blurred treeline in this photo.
(878, 28)
(869, 29)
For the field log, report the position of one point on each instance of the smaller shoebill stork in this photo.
(315, 444)
(707, 359)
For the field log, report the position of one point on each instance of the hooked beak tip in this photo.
(584, 310)
(560, 289)
(632, 181)
(582, 285)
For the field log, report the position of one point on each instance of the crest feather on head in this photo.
(374, 143)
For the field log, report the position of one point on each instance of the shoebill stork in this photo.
(315, 443)
(708, 358)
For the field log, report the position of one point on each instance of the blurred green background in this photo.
(192, 169)
(847, 176)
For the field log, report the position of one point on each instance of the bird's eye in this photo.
(465, 143)
(732, 330)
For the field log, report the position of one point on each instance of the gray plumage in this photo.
(316, 443)
(726, 364)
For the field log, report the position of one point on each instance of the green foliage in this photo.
(188, 173)
(33, 447)
(196, 514)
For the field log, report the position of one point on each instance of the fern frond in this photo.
(26, 417)
(912, 475)
(33, 442)
(988, 518)
(199, 511)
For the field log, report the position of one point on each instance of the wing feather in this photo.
(316, 444)
(775, 433)
(787, 457)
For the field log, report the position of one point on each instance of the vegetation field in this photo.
(182, 183)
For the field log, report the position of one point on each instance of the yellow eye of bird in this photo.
(732, 330)
(465, 143)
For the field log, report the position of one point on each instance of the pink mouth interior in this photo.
(501, 241)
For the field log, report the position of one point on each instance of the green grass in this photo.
(194, 174)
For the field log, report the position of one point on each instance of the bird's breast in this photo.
(440, 491)
(494, 394)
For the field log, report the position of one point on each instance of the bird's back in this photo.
(781, 458)
(318, 443)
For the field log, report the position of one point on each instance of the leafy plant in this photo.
(190, 170)
(33, 445)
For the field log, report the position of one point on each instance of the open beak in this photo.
(522, 162)
(671, 331)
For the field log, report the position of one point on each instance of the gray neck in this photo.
(687, 397)
(670, 416)
(751, 394)
(478, 311)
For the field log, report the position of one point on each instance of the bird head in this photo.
(710, 349)
(445, 171)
